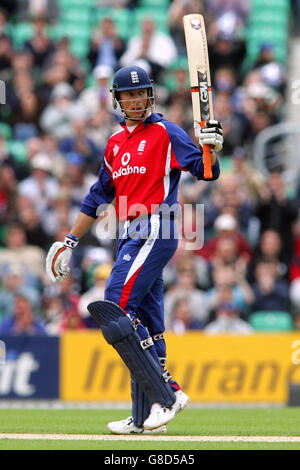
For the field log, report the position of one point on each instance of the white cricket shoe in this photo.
(182, 400)
(161, 415)
(127, 426)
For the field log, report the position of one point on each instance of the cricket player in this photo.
(141, 170)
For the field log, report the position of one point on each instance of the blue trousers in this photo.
(136, 282)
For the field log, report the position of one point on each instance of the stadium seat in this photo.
(123, 21)
(163, 4)
(159, 16)
(18, 150)
(100, 13)
(279, 5)
(268, 22)
(21, 33)
(122, 18)
(79, 47)
(72, 31)
(271, 321)
(66, 4)
(6, 131)
(268, 17)
(76, 15)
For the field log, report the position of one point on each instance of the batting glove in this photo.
(211, 134)
(58, 258)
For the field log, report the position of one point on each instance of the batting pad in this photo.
(118, 330)
(140, 404)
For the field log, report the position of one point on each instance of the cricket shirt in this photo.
(141, 169)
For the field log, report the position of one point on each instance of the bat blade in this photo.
(199, 71)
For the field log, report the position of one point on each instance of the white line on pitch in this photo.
(108, 437)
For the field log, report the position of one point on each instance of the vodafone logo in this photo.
(125, 158)
(128, 169)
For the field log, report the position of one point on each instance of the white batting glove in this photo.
(58, 258)
(211, 134)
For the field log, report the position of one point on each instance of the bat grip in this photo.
(206, 158)
(207, 162)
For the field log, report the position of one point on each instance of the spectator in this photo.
(271, 71)
(61, 213)
(186, 286)
(228, 286)
(226, 254)
(226, 227)
(40, 46)
(17, 250)
(236, 125)
(230, 197)
(79, 180)
(294, 268)
(182, 317)
(52, 306)
(57, 117)
(71, 320)
(181, 254)
(225, 50)
(270, 249)
(13, 280)
(270, 293)
(28, 9)
(100, 127)
(81, 144)
(62, 66)
(148, 46)
(22, 322)
(6, 55)
(8, 194)
(30, 220)
(41, 187)
(276, 212)
(98, 96)
(239, 10)
(100, 275)
(180, 92)
(61, 307)
(106, 46)
(25, 118)
(51, 148)
(228, 321)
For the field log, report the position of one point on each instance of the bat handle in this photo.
(206, 158)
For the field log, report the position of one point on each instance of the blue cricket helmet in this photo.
(131, 78)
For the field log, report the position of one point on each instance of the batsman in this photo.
(141, 169)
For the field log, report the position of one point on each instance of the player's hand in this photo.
(58, 259)
(211, 134)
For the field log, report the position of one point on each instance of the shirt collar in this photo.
(154, 117)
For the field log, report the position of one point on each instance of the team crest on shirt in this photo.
(142, 146)
(116, 149)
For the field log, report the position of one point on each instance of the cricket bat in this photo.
(197, 53)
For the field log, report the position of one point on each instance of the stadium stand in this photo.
(249, 46)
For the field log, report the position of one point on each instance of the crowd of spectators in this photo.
(60, 111)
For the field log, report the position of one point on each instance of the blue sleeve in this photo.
(102, 192)
(187, 154)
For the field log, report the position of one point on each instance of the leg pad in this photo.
(118, 330)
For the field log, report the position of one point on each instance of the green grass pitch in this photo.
(191, 422)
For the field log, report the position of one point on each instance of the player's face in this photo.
(134, 103)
